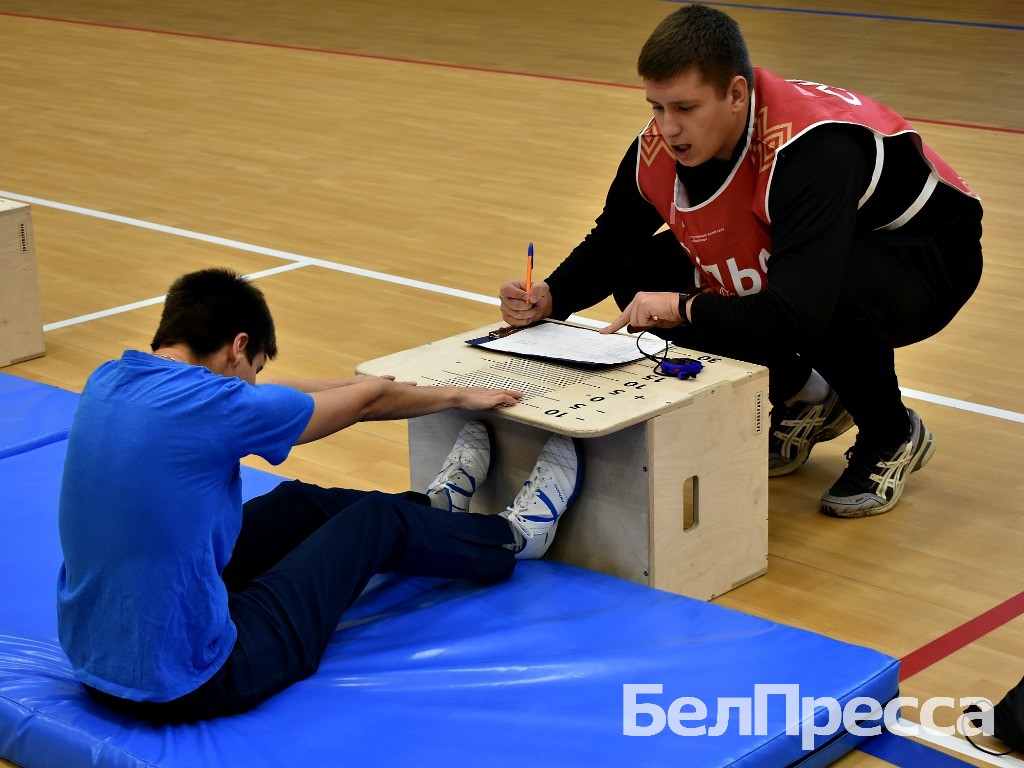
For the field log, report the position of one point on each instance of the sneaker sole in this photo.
(862, 506)
(830, 432)
(486, 470)
(578, 486)
(926, 452)
(834, 430)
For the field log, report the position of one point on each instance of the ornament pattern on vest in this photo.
(767, 140)
(651, 143)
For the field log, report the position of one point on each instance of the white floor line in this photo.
(952, 743)
(301, 261)
(154, 300)
(963, 405)
(273, 252)
(103, 313)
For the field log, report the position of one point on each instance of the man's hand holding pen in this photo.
(520, 308)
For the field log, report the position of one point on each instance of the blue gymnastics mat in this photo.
(426, 672)
(32, 414)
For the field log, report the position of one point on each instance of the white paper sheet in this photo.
(570, 343)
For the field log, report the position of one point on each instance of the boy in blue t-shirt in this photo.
(177, 602)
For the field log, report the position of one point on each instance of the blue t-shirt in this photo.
(150, 508)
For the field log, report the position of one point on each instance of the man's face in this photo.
(696, 122)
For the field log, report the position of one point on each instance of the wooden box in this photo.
(675, 491)
(21, 322)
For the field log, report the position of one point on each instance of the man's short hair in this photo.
(207, 309)
(696, 37)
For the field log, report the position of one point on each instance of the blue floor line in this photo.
(855, 15)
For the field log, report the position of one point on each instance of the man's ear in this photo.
(238, 348)
(739, 93)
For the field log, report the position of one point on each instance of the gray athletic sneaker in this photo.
(464, 469)
(795, 430)
(873, 480)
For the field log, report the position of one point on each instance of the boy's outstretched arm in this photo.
(312, 385)
(378, 399)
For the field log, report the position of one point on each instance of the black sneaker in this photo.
(873, 480)
(797, 428)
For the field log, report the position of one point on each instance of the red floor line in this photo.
(423, 62)
(972, 126)
(962, 636)
(307, 49)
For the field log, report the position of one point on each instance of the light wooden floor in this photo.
(430, 142)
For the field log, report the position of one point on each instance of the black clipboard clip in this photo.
(508, 330)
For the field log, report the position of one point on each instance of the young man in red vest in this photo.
(809, 229)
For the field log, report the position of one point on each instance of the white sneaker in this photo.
(552, 487)
(464, 469)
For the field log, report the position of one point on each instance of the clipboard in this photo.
(566, 344)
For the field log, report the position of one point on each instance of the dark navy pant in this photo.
(303, 556)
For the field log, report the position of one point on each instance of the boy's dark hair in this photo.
(207, 309)
(696, 37)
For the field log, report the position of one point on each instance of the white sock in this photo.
(815, 390)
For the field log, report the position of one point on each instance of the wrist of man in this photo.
(684, 298)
